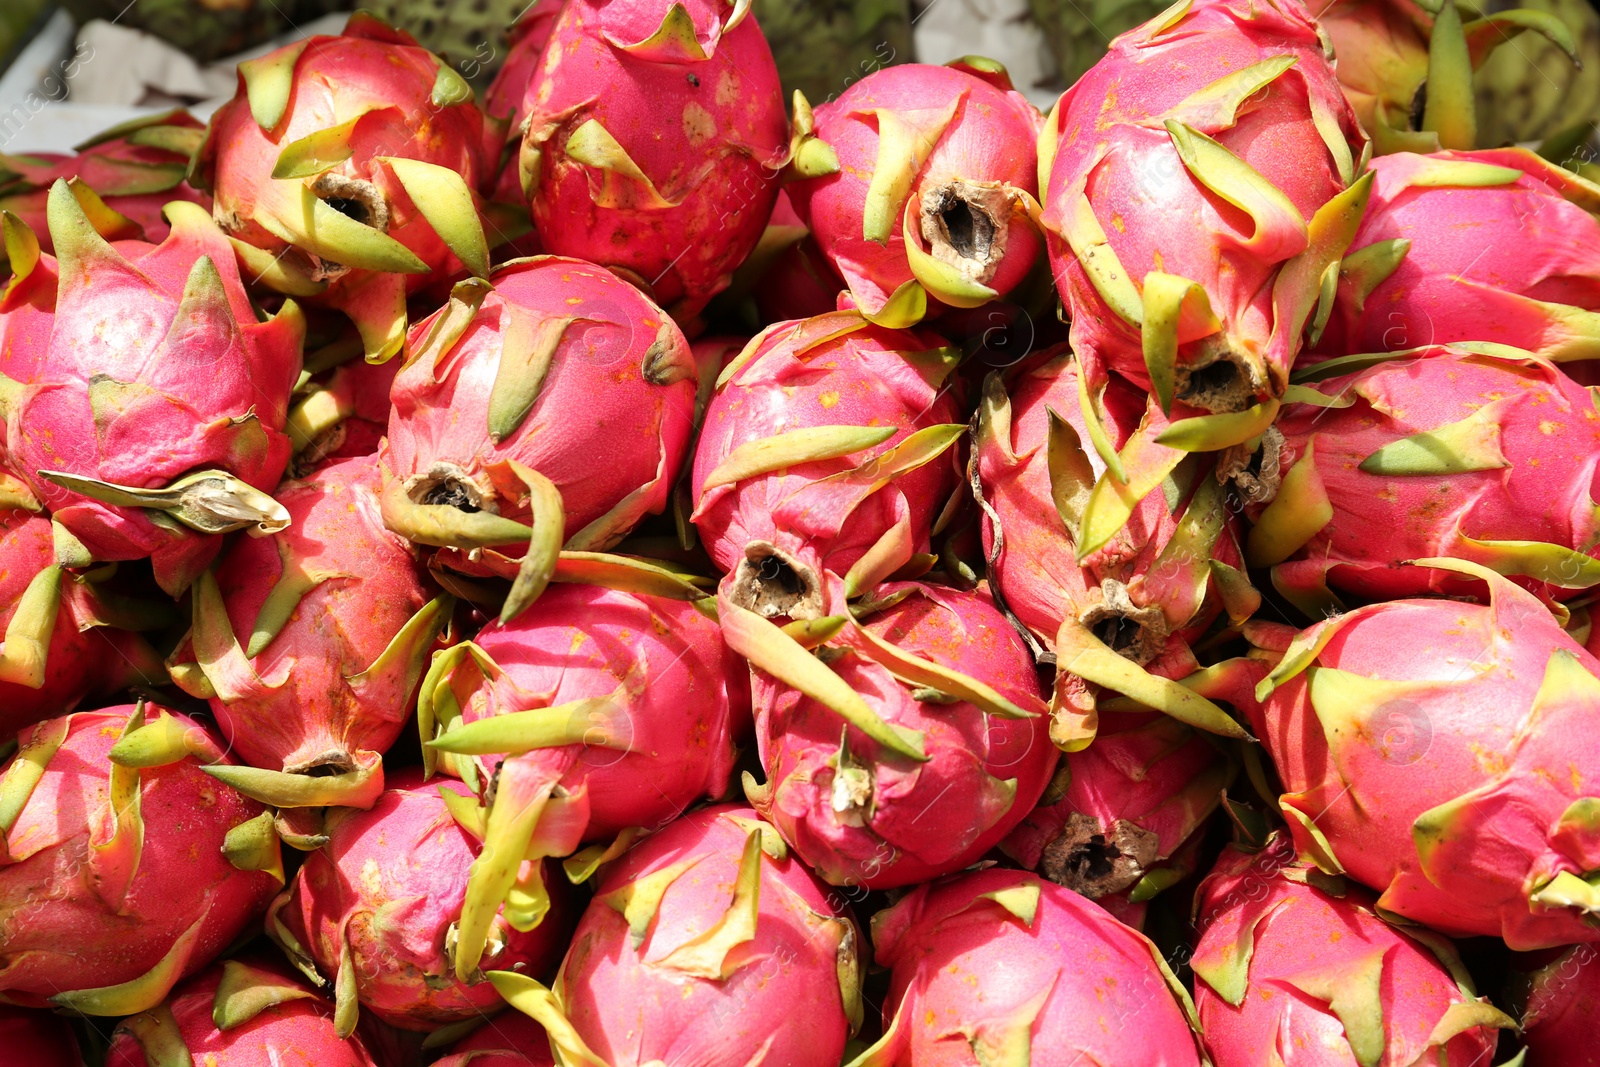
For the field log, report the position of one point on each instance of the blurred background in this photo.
(69, 68)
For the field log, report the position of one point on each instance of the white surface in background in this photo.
(999, 29)
(62, 91)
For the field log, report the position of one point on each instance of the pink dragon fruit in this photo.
(950, 746)
(528, 35)
(56, 642)
(479, 444)
(1434, 750)
(919, 184)
(652, 141)
(1407, 68)
(1435, 452)
(1199, 194)
(342, 414)
(38, 1038)
(124, 867)
(339, 630)
(346, 170)
(1118, 813)
(1148, 589)
(372, 913)
(1000, 966)
(825, 445)
(1558, 1001)
(123, 177)
(1296, 967)
(1416, 273)
(597, 711)
(510, 1039)
(707, 943)
(144, 404)
(239, 1014)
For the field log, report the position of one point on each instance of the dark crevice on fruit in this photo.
(1097, 860)
(1118, 632)
(354, 209)
(966, 225)
(330, 764)
(353, 198)
(971, 232)
(451, 495)
(1255, 474)
(774, 585)
(1419, 106)
(1134, 632)
(1217, 386)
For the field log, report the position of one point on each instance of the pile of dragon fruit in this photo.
(637, 570)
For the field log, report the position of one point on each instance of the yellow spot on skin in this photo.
(698, 125)
(827, 400)
(578, 638)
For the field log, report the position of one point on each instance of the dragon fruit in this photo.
(652, 141)
(510, 1039)
(1417, 273)
(528, 35)
(1438, 451)
(701, 944)
(239, 1014)
(825, 445)
(1148, 590)
(123, 177)
(1407, 68)
(479, 443)
(1119, 811)
(125, 866)
(55, 644)
(1199, 196)
(346, 171)
(339, 630)
(919, 183)
(1296, 967)
(1000, 966)
(1454, 775)
(143, 402)
(38, 1038)
(799, 284)
(341, 414)
(1559, 1004)
(372, 913)
(950, 746)
(596, 712)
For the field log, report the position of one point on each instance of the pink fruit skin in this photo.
(611, 423)
(510, 1039)
(857, 379)
(706, 134)
(297, 704)
(528, 36)
(1561, 1008)
(1543, 424)
(688, 699)
(1443, 687)
(60, 935)
(919, 820)
(1446, 288)
(1156, 214)
(961, 962)
(990, 139)
(1132, 799)
(367, 76)
(1037, 567)
(1304, 938)
(207, 392)
(38, 1039)
(296, 1032)
(782, 995)
(390, 882)
(81, 658)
